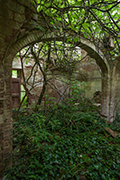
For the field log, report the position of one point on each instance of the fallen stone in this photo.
(111, 132)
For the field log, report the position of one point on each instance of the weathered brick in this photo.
(5, 26)
(1, 116)
(19, 17)
(4, 21)
(1, 103)
(1, 150)
(2, 41)
(6, 13)
(1, 170)
(1, 113)
(2, 36)
(1, 155)
(24, 2)
(16, 7)
(1, 84)
(28, 4)
(1, 135)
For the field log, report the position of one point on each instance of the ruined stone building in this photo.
(87, 72)
(18, 30)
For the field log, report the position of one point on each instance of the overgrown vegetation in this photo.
(64, 141)
(92, 19)
(67, 140)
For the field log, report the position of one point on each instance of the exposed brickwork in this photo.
(12, 12)
(1, 121)
(5, 117)
(18, 17)
(6, 13)
(16, 7)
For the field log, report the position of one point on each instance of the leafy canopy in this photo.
(91, 19)
(83, 16)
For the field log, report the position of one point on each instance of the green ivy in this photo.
(64, 142)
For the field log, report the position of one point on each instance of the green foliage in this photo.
(64, 141)
(90, 19)
(14, 73)
(83, 16)
(22, 94)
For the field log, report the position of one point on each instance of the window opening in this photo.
(14, 73)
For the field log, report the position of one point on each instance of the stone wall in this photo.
(87, 72)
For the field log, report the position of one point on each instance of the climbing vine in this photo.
(92, 19)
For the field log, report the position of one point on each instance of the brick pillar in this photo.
(5, 117)
(105, 96)
(115, 90)
(110, 93)
(1, 117)
(112, 97)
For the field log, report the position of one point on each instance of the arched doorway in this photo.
(16, 43)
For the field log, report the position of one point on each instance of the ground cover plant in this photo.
(66, 141)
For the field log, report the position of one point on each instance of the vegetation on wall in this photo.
(92, 19)
(68, 21)
(68, 140)
(46, 60)
(65, 140)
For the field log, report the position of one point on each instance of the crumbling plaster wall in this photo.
(87, 71)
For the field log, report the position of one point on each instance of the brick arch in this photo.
(6, 67)
(90, 48)
(115, 90)
(37, 36)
